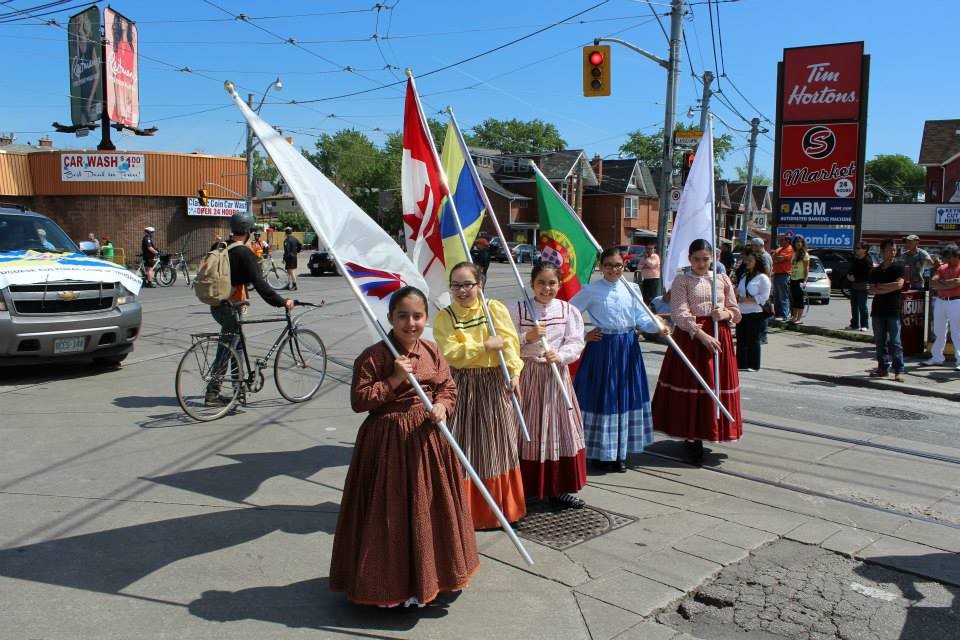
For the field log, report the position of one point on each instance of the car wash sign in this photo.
(821, 138)
(215, 208)
(102, 167)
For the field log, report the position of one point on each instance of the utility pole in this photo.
(677, 8)
(705, 100)
(748, 191)
(251, 185)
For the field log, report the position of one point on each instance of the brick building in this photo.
(940, 154)
(623, 207)
(108, 202)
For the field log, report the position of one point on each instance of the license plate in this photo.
(69, 345)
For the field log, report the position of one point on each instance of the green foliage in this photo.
(263, 169)
(648, 148)
(759, 177)
(897, 174)
(293, 219)
(516, 136)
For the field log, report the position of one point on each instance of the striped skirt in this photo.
(681, 407)
(554, 461)
(485, 426)
(611, 387)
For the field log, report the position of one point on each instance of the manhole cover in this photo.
(886, 413)
(802, 345)
(564, 528)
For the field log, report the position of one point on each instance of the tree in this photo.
(648, 148)
(759, 177)
(293, 219)
(263, 169)
(516, 136)
(355, 164)
(898, 174)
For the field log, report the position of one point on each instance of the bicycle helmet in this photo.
(240, 223)
(256, 234)
(149, 229)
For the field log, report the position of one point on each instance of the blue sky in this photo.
(539, 77)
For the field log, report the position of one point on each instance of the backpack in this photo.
(212, 284)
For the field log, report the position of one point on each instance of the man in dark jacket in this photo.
(291, 247)
(244, 271)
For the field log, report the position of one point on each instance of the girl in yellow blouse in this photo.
(483, 422)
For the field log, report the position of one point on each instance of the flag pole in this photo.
(471, 472)
(503, 243)
(713, 248)
(639, 299)
(466, 251)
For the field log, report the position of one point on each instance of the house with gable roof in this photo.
(622, 208)
(940, 155)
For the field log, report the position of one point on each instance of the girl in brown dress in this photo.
(404, 532)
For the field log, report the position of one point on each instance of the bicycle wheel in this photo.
(164, 275)
(186, 274)
(300, 365)
(196, 376)
(277, 278)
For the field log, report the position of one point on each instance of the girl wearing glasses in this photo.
(483, 422)
(554, 462)
(681, 408)
(611, 383)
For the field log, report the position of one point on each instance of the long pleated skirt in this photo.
(681, 407)
(555, 459)
(404, 528)
(611, 387)
(485, 425)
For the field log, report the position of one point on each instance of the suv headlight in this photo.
(3, 305)
(125, 297)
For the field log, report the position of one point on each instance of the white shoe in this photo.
(957, 368)
(864, 330)
(933, 362)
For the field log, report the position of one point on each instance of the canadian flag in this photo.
(423, 188)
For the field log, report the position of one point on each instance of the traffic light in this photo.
(685, 166)
(202, 197)
(596, 71)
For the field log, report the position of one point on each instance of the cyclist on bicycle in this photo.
(259, 247)
(148, 248)
(243, 271)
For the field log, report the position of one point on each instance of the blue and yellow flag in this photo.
(465, 191)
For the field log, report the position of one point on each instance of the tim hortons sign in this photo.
(822, 83)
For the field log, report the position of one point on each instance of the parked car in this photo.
(497, 253)
(633, 263)
(91, 311)
(526, 253)
(818, 282)
(631, 251)
(838, 261)
(321, 262)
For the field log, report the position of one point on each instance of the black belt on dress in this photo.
(948, 297)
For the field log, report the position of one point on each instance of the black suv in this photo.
(321, 262)
(837, 262)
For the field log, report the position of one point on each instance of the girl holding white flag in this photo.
(554, 461)
(484, 422)
(681, 408)
(404, 532)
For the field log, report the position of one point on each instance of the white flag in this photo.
(694, 219)
(373, 260)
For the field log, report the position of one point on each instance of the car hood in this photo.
(39, 267)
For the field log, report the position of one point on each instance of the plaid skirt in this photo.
(611, 386)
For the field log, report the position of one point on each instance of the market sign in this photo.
(102, 167)
(822, 82)
(817, 211)
(216, 208)
(948, 219)
(819, 160)
(821, 238)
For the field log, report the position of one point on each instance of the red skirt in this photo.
(681, 407)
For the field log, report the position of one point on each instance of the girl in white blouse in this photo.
(753, 290)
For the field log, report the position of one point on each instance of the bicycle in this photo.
(164, 274)
(276, 277)
(299, 368)
(171, 270)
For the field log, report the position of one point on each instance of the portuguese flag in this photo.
(563, 239)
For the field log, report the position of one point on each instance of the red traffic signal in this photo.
(596, 71)
(596, 57)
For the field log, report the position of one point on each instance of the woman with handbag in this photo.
(753, 294)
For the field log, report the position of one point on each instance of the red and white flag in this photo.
(423, 188)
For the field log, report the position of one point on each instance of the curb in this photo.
(870, 383)
(823, 331)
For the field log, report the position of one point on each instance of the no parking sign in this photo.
(674, 199)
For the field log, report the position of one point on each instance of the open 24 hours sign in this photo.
(819, 160)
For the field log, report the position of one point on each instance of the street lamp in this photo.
(251, 185)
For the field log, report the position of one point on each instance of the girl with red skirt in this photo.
(681, 407)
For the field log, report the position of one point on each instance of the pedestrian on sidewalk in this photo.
(611, 383)
(650, 271)
(946, 309)
(799, 270)
(681, 407)
(404, 532)
(782, 265)
(858, 275)
(753, 290)
(291, 247)
(484, 422)
(886, 281)
(554, 462)
(914, 260)
(760, 251)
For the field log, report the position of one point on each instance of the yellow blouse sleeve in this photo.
(459, 348)
(511, 342)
